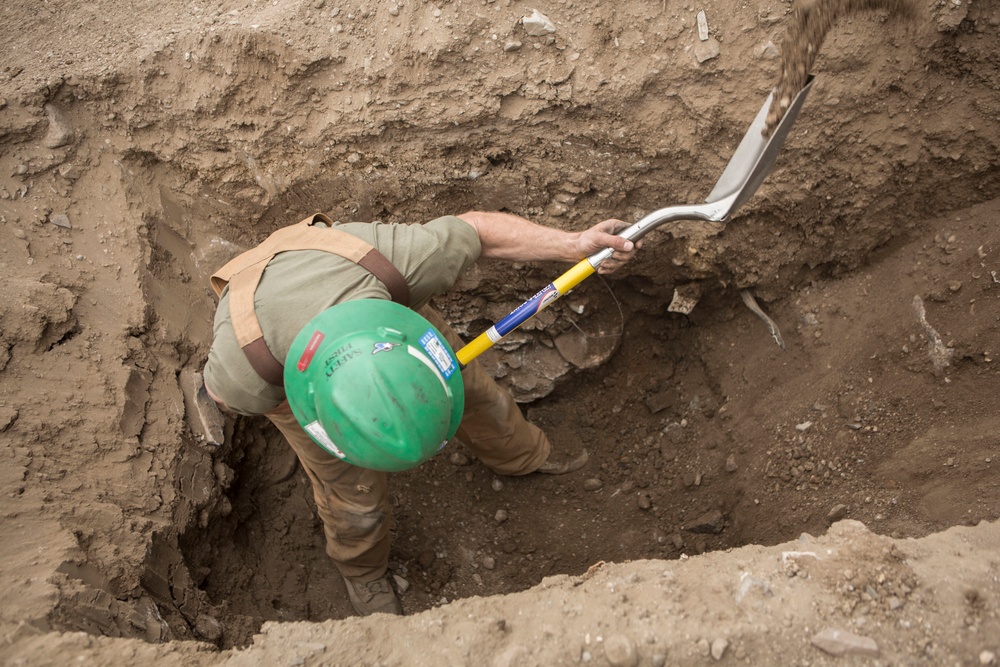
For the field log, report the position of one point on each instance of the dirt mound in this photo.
(146, 145)
(845, 596)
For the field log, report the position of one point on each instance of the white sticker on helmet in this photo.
(437, 350)
(414, 352)
(319, 434)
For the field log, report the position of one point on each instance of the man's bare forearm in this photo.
(511, 237)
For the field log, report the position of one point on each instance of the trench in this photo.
(703, 435)
(460, 530)
(691, 452)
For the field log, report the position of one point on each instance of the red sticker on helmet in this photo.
(310, 351)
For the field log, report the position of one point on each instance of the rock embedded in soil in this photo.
(60, 131)
(60, 220)
(7, 417)
(674, 432)
(620, 651)
(709, 522)
(203, 415)
(767, 51)
(718, 648)
(426, 558)
(208, 627)
(837, 512)
(538, 24)
(685, 297)
(840, 642)
(705, 51)
(593, 484)
(660, 401)
(584, 351)
(702, 21)
(70, 172)
(402, 585)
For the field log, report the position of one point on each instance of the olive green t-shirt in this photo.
(297, 285)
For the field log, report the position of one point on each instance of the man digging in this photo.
(324, 328)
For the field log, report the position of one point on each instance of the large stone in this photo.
(620, 651)
(535, 377)
(538, 24)
(841, 642)
(203, 413)
(60, 131)
(949, 15)
(709, 522)
(707, 50)
(661, 400)
(686, 297)
(719, 647)
(585, 351)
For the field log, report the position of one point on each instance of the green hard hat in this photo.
(375, 384)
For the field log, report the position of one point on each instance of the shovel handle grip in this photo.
(536, 304)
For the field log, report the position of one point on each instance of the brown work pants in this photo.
(353, 502)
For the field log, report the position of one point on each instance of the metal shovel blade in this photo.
(755, 155)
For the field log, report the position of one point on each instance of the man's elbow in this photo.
(473, 218)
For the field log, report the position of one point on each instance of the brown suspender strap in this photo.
(382, 268)
(244, 272)
(263, 362)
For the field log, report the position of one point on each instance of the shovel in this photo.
(746, 170)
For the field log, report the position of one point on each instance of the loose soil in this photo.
(803, 41)
(145, 145)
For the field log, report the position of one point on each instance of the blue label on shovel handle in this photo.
(525, 311)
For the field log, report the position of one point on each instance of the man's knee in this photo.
(351, 525)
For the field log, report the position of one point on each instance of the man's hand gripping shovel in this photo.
(746, 170)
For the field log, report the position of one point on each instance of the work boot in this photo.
(561, 463)
(373, 597)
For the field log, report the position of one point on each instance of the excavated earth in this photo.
(833, 502)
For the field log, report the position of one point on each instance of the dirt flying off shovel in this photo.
(746, 170)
